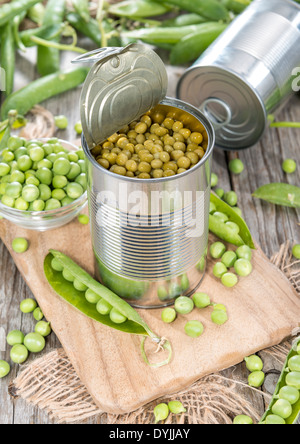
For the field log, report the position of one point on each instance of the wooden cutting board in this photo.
(263, 310)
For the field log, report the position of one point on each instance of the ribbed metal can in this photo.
(149, 236)
(248, 73)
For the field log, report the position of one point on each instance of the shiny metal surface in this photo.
(150, 236)
(249, 68)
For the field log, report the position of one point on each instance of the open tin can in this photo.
(248, 73)
(149, 235)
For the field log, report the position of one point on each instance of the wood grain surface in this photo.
(270, 225)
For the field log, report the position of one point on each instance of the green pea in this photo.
(176, 407)
(21, 204)
(22, 151)
(20, 245)
(161, 412)
(92, 297)
(244, 252)
(44, 175)
(220, 192)
(282, 408)
(24, 163)
(212, 208)
(274, 419)
(238, 211)
(56, 265)
(67, 201)
(293, 380)
(194, 329)
(294, 364)
(219, 270)
(289, 166)
(38, 314)
(229, 258)
(201, 300)
(220, 307)
(74, 190)
(48, 149)
(184, 305)
(45, 192)
(37, 154)
(231, 198)
(168, 315)
(58, 194)
(34, 342)
(201, 264)
(59, 181)
(242, 419)
(30, 193)
(256, 379)
(233, 226)
(4, 369)
(174, 290)
(32, 180)
(82, 180)
(229, 280)
(15, 142)
(103, 307)
(72, 156)
(13, 190)
(78, 128)
(28, 305)
(78, 285)
(52, 204)
(184, 283)
(83, 219)
(4, 169)
(214, 180)
(17, 176)
(254, 363)
(43, 328)
(290, 394)
(243, 267)
(217, 250)
(296, 251)
(75, 171)
(236, 166)
(219, 317)
(61, 122)
(62, 166)
(117, 317)
(68, 275)
(221, 216)
(15, 337)
(7, 156)
(19, 354)
(8, 201)
(162, 293)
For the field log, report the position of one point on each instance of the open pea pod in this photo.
(220, 229)
(282, 382)
(134, 324)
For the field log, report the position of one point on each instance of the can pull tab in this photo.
(217, 111)
(98, 54)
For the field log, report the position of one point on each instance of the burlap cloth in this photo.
(52, 384)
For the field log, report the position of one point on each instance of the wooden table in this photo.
(271, 226)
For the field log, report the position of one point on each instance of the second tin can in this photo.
(247, 73)
(149, 235)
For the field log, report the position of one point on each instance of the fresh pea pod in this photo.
(8, 56)
(223, 231)
(279, 194)
(44, 32)
(82, 9)
(37, 13)
(9, 10)
(42, 89)
(211, 9)
(192, 46)
(285, 390)
(48, 59)
(73, 293)
(236, 6)
(138, 8)
(184, 20)
(157, 35)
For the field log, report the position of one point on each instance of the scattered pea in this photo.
(83, 219)
(236, 166)
(4, 369)
(28, 305)
(217, 250)
(229, 280)
(244, 252)
(231, 198)
(254, 363)
(214, 180)
(38, 314)
(78, 128)
(61, 122)
(256, 379)
(220, 192)
(34, 342)
(168, 315)
(194, 329)
(19, 354)
(219, 317)
(201, 300)
(296, 251)
(243, 267)
(289, 166)
(229, 258)
(176, 407)
(219, 270)
(15, 337)
(161, 412)
(20, 245)
(43, 328)
(184, 305)
(242, 420)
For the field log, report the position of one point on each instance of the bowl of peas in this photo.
(42, 183)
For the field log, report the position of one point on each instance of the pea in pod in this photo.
(8, 56)
(133, 324)
(211, 9)
(9, 10)
(236, 6)
(138, 8)
(287, 382)
(223, 231)
(279, 194)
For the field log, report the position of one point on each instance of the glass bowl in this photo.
(46, 220)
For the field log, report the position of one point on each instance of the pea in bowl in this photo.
(42, 183)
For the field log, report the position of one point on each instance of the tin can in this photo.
(247, 73)
(149, 235)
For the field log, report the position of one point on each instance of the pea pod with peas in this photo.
(79, 289)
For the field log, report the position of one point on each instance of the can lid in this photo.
(121, 86)
(236, 111)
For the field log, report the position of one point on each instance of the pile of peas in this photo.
(185, 305)
(39, 176)
(240, 260)
(154, 147)
(33, 342)
(229, 197)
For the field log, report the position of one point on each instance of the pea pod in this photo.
(279, 194)
(37, 13)
(211, 9)
(283, 382)
(134, 324)
(236, 6)
(173, 35)
(224, 232)
(192, 46)
(184, 20)
(42, 89)
(138, 8)
(82, 9)
(48, 59)
(8, 55)
(9, 10)
(44, 32)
